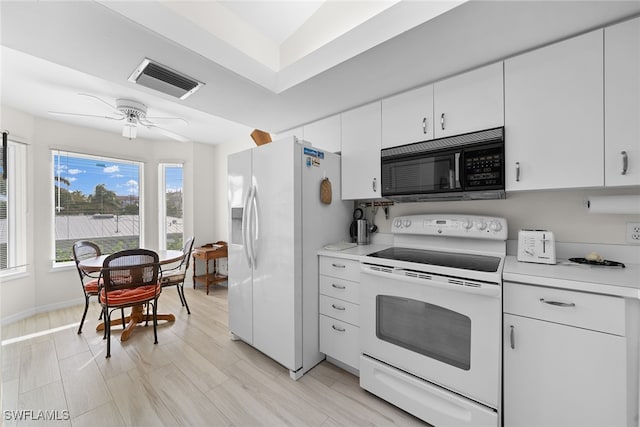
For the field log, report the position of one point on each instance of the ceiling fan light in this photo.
(129, 130)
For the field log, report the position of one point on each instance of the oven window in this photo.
(424, 328)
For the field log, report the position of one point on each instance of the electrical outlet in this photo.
(633, 232)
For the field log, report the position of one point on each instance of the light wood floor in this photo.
(195, 375)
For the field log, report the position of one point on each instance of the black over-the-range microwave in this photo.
(461, 167)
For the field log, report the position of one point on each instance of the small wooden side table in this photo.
(206, 253)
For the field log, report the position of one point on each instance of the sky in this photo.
(84, 174)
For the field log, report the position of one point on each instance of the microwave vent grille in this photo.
(489, 135)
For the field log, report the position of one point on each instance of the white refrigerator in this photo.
(277, 223)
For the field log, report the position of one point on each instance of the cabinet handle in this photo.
(338, 265)
(336, 328)
(517, 171)
(442, 120)
(625, 162)
(374, 185)
(338, 307)
(424, 125)
(512, 337)
(338, 286)
(558, 303)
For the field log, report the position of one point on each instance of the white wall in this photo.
(45, 287)
(562, 211)
(220, 180)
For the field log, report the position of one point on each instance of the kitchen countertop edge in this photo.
(354, 253)
(619, 282)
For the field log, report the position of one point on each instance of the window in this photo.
(171, 217)
(97, 199)
(13, 208)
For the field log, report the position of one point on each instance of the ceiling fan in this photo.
(133, 113)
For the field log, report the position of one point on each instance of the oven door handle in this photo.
(484, 290)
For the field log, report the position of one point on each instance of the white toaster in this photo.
(536, 246)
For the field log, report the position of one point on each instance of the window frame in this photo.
(162, 201)
(17, 208)
(101, 158)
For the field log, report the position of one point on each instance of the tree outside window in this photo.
(171, 202)
(97, 199)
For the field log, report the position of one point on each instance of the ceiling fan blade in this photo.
(62, 113)
(152, 119)
(112, 107)
(165, 132)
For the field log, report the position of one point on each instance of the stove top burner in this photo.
(444, 259)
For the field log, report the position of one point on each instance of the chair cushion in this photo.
(91, 287)
(131, 296)
(172, 278)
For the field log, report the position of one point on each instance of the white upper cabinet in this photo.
(297, 132)
(407, 117)
(324, 134)
(469, 102)
(361, 139)
(622, 103)
(554, 115)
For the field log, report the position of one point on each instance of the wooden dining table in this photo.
(95, 264)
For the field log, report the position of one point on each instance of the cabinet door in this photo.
(297, 132)
(622, 103)
(324, 134)
(469, 102)
(557, 375)
(553, 116)
(361, 153)
(408, 117)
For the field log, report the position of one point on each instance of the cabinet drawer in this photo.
(340, 340)
(339, 309)
(340, 288)
(590, 311)
(347, 269)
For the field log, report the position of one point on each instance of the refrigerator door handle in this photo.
(255, 222)
(245, 227)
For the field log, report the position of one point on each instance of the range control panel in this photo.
(468, 226)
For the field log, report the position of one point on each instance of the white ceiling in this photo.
(265, 64)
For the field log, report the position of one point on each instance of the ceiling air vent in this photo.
(163, 79)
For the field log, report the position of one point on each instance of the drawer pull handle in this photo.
(558, 303)
(338, 286)
(338, 265)
(338, 307)
(512, 337)
(337, 328)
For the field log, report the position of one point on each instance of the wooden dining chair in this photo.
(129, 278)
(82, 250)
(176, 276)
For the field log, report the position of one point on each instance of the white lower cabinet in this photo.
(560, 368)
(339, 310)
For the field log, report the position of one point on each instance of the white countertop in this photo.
(354, 253)
(617, 281)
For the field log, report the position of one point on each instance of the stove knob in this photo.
(467, 224)
(397, 223)
(407, 223)
(495, 226)
(481, 225)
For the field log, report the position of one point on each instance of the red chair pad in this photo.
(131, 296)
(91, 287)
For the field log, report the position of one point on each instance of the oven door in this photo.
(437, 328)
